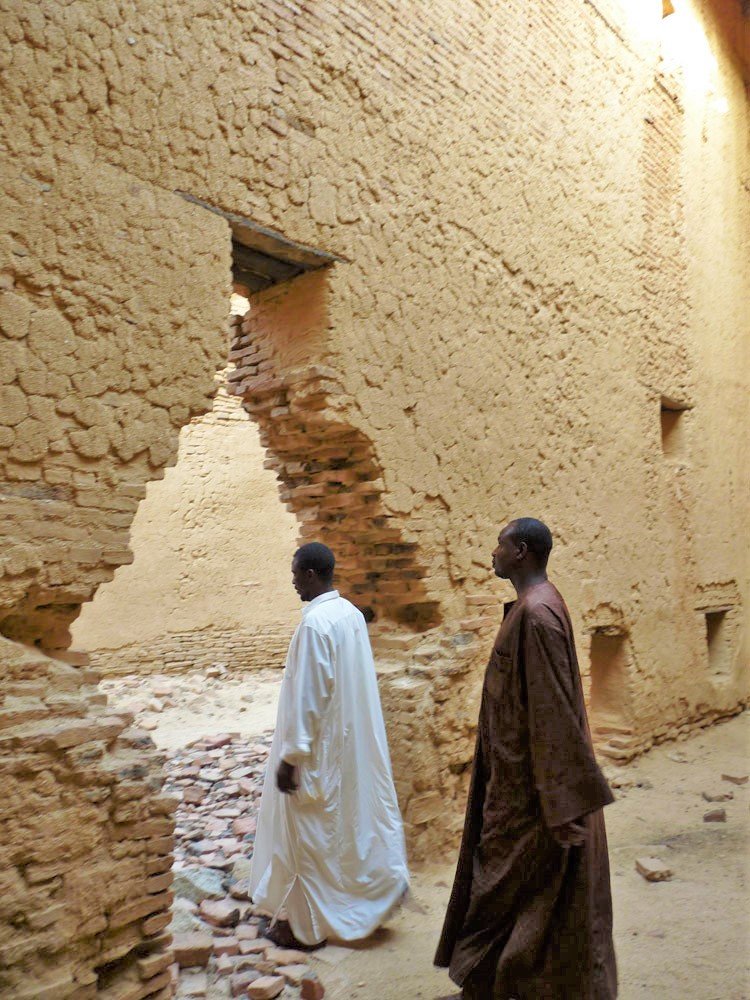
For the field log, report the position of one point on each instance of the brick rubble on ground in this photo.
(715, 816)
(218, 781)
(653, 869)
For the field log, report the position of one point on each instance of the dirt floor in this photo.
(685, 938)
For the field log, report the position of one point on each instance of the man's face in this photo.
(505, 554)
(302, 581)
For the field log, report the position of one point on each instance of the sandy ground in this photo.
(227, 713)
(677, 940)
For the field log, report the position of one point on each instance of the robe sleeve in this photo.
(568, 779)
(311, 689)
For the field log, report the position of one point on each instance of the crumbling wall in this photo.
(546, 230)
(328, 466)
(87, 840)
(100, 272)
(211, 578)
(519, 260)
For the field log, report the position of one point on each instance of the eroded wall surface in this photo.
(87, 840)
(101, 272)
(545, 213)
(211, 578)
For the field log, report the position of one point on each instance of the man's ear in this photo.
(522, 550)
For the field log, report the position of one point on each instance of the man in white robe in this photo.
(329, 846)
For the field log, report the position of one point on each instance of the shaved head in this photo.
(318, 558)
(535, 534)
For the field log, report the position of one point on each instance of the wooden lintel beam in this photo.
(263, 265)
(253, 282)
(267, 241)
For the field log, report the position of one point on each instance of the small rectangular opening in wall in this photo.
(609, 688)
(261, 257)
(719, 645)
(673, 426)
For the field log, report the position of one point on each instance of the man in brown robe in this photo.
(530, 915)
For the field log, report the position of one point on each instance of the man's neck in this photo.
(526, 579)
(327, 588)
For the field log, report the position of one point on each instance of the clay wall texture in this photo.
(87, 840)
(211, 577)
(545, 212)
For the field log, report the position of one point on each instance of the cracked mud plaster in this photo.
(107, 277)
(545, 240)
(194, 594)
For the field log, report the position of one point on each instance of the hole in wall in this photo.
(720, 608)
(673, 427)
(239, 303)
(609, 659)
(718, 641)
(111, 973)
(212, 543)
(326, 477)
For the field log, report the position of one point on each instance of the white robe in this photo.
(332, 853)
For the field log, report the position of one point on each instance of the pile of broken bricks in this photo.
(254, 966)
(217, 932)
(654, 869)
(218, 781)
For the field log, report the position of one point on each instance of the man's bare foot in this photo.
(282, 935)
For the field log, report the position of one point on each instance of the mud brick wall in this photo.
(544, 209)
(87, 841)
(92, 401)
(92, 396)
(430, 700)
(212, 544)
(545, 216)
(239, 649)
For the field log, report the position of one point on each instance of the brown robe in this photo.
(526, 913)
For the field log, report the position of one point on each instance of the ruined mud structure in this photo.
(497, 262)
(210, 579)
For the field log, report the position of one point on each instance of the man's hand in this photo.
(571, 834)
(287, 779)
